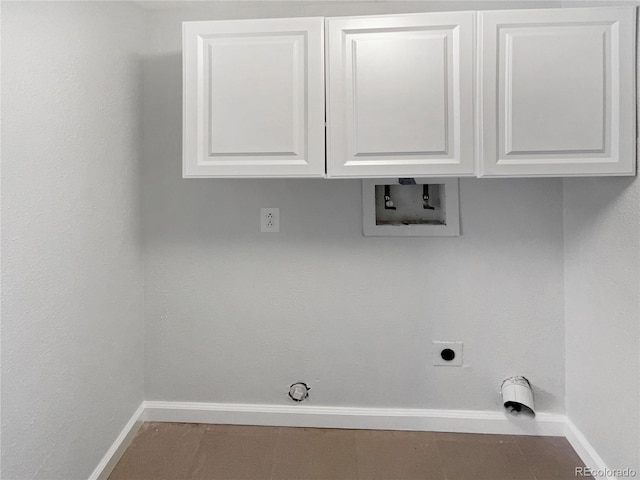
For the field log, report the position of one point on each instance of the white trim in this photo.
(584, 449)
(467, 421)
(461, 421)
(117, 448)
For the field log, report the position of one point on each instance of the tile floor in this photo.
(175, 451)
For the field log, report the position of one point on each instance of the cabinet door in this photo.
(400, 95)
(557, 92)
(253, 98)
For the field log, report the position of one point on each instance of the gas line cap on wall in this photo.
(298, 391)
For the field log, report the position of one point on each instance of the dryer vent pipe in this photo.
(517, 396)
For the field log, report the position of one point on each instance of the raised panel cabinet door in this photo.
(254, 98)
(400, 95)
(557, 92)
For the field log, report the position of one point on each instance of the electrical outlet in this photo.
(270, 220)
(447, 354)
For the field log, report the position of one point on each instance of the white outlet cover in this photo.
(270, 220)
(439, 346)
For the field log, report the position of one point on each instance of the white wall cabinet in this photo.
(557, 94)
(400, 95)
(548, 92)
(254, 98)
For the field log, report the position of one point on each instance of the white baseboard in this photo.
(468, 421)
(585, 450)
(460, 421)
(117, 448)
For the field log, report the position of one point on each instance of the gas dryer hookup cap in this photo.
(298, 391)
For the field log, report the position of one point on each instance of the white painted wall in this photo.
(72, 329)
(356, 311)
(602, 314)
(602, 285)
(233, 315)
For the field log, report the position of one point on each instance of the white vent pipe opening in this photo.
(517, 396)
